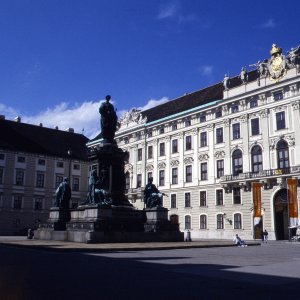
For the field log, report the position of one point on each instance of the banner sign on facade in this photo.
(293, 201)
(257, 206)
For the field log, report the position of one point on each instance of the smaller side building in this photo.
(33, 162)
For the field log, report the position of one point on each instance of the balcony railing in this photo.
(261, 174)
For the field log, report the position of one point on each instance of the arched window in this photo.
(237, 162)
(282, 155)
(256, 158)
(237, 218)
(203, 222)
(187, 222)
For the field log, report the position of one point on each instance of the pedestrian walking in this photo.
(265, 235)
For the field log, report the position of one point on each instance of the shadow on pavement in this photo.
(33, 274)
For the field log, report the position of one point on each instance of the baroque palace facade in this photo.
(33, 162)
(227, 157)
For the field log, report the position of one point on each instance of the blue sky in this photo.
(59, 58)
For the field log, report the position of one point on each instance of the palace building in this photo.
(33, 162)
(227, 156)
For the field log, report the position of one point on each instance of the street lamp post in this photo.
(70, 162)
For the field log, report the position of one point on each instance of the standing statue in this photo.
(261, 67)
(92, 182)
(292, 56)
(226, 82)
(153, 197)
(63, 194)
(97, 194)
(109, 120)
(244, 75)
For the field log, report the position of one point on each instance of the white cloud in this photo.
(206, 70)
(8, 112)
(84, 116)
(173, 11)
(269, 24)
(168, 11)
(152, 103)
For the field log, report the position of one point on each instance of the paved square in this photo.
(269, 271)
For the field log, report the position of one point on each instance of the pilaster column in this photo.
(195, 134)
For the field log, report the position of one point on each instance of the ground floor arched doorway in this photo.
(258, 229)
(281, 217)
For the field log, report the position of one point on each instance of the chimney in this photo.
(56, 127)
(70, 130)
(2, 117)
(41, 124)
(18, 119)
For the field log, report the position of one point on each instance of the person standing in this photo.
(265, 235)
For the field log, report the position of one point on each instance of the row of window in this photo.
(41, 162)
(236, 134)
(219, 198)
(218, 114)
(257, 161)
(237, 221)
(237, 165)
(38, 203)
(40, 179)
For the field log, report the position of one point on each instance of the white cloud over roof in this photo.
(83, 117)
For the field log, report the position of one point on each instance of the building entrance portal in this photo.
(281, 218)
(258, 229)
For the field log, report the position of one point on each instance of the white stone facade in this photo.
(208, 181)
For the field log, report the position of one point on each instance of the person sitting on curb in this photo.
(239, 242)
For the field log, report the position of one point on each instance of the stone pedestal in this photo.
(58, 217)
(110, 160)
(55, 228)
(95, 223)
(112, 224)
(157, 220)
